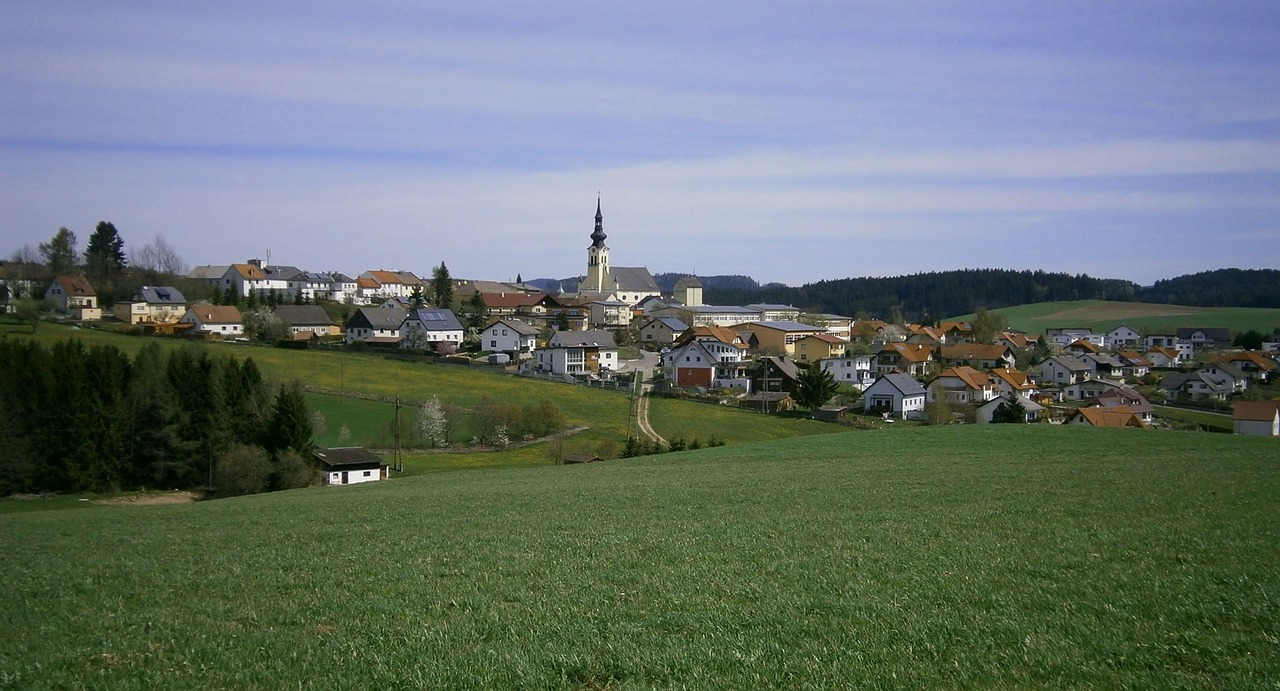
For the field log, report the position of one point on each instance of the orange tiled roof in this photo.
(1115, 416)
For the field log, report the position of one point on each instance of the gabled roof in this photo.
(974, 351)
(1121, 396)
(1017, 340)
(515, 325)
(688, 282)
(511, 300)
(379, 318)
(348, 457)
(827, 338)
(1226, 368)
(593, 338)
(1087, 346)
(216, 314)
(1027, 404)
(75, 285)
(159, 295)
(671, 323)
(1070, 363)
(1119, 416)
(1167, 352)
(910, 352)
(435, 320)
(784, 366)
(1259, 360)
(972, 378)
(249, 272)
(715, 333)
(208, 272)
(1019, 381)
(905, 384)
(1256, 411)
(303, 315)
(957, 326)
(1133, 358)
(633, 279)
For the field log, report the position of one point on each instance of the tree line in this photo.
(78, 418)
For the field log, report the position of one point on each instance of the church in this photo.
(626, 284)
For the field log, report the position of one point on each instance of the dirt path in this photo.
(147, 499)
(642, 419)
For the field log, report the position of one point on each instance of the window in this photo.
(368, 473)
(493, 344)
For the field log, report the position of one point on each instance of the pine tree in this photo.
(815, 387)
(60, 252)
(104, 258)
(442, 287)
(290, 426)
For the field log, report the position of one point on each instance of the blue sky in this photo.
(793, 142)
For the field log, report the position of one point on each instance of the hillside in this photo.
(936, 557)
(1102, 316)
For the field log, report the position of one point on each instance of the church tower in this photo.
(597, 256)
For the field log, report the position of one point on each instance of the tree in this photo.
(159, 258)
(104, 258)
(1010, 411)
(294, 470)
(1249, 340)
(432, 422)
(290, 426)
(988, 325)
(243, 469)
(815, 387)
(60, 252)
(442, 287)
(28, 310)
(476, 311)
(938, 410)
(417, 300)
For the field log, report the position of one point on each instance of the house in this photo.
(1016, 340)
(307, 321)
(609, 313)
(830, 413)
(350, 465)
(578, 352)
(895, 394)
(773, 373)
(1082, 346)
(927, 335)
(1259, 367)
(1196, 386)
(1163, 357)
(315, 286)
(781, 335)
(708, 363)
(74, 295)
(1204, 337)
(431, 328)
(376, 325)
(1063, 336)
(961, 385)
(1103, 364)
(1123, 336)
(1010, 381)
(1133, 365)
(987, 411)
(709, 315)
(909, 358)
(511, 336)
(982, 356)
(1118, 416)
(1089, 387)
(1256, 418)
(380, 284)
(1184, 348)
(1062, 370)
(821, 346)
(215, 320)
(1230, 372)
(661, 330)
(687, 291)
(258, 277)
(835, 324)
(152, 305)
(853, 370)
(1126, 397)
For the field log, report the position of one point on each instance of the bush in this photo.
(243, 469)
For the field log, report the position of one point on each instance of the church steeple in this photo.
(598, 236)
(597, 255)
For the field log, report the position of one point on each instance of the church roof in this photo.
(633, 279)
(597, 235)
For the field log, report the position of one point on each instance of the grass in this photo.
(1102, 316)
(961, 556)
(1212, 422)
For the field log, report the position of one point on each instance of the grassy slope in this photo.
(919, 557)
(1103, 316)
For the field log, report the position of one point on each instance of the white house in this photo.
(220, 320)
(1123, 336)
(75, 296)
(510, 336)
(376, 325)
(707, 363)
(896, 394)
(962, 385)
(152, 304)
(1257, 418)
(578, 352)
(350, 465)
(430, 328)
(987, 411)
(854, 370)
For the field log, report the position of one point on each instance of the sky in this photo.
(791, 141)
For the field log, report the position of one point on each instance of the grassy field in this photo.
(1102, 316)
(992, 557)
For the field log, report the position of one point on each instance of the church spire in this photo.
(598, 236)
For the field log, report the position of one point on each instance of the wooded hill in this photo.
(927, 297)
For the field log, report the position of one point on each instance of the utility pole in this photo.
(399, 466)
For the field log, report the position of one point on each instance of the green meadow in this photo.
(1103, 315)
(918, 557)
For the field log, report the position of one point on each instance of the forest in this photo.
(77, 418)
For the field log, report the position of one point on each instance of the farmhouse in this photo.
(376, 325)
(214, 320)
(511, 336)
(424, 328)
(896, 394)
(152, 304)
(578, 352)
(74, 295)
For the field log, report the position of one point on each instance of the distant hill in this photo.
(1148, 317)
(1220, 288)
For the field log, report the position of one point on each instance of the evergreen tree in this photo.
(417, 299)
(442, 287)
(1010, 411)
(290, 425)
(476, 311)
(815, 387)
(60, 252)
(104, 258)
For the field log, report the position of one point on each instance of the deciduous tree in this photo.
(60, 252)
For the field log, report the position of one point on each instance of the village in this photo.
(616, 321)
